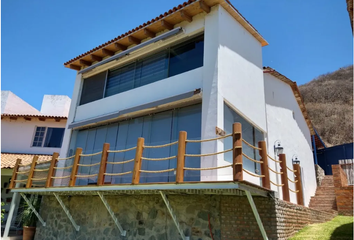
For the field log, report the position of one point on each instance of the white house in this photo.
(26, 132)
(196, 68)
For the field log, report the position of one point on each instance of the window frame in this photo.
(196, 37)
(44, 137)
(254, 128)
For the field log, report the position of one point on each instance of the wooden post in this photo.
(181, 156)
(284, 177)
(298, 184)
(103, 165)
(53, 163)
(30, 174)
(75, 167)
(264, 166)
(137, 162)
(237, 151)
(14, 174)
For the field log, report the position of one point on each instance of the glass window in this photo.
(53, 137)
(151, 69)
(172, 61)
(186, 56)
(93, 88)
(38, 137)
(120, 80)
(249, 134)
(156, 129)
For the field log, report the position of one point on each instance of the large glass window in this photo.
(156, 129)
(249, 134)
(48, 137)
(172, 61)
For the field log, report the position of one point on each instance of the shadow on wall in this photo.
(343, 232)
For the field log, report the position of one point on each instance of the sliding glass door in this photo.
(156, 129)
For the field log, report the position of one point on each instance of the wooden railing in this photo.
(35, 174)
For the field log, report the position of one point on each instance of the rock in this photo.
(203, 215)
(152, 213)
(141, 231)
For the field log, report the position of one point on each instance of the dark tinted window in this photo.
(93, 87)
(172, 61)
(186, 56)
(54, 137)
(120, 80)
(152, 69)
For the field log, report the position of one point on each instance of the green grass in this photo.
(340, 228)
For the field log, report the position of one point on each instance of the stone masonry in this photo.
(146, 217)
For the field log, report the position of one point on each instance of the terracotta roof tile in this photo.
(8, 160)
(31, 115)
(161, 16)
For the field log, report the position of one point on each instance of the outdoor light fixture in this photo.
(295, 159)
(278, 149)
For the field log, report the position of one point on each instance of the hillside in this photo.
(329, 102)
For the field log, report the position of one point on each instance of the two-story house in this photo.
(26, 132)
(150, 114)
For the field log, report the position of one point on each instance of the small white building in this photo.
(26, 132)
(196, 68)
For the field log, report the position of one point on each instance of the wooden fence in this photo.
(43, 177)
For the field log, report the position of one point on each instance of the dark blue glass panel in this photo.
(54, 137)
(186, 56)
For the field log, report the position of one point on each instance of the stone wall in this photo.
(143, 216)
(146, 217)
(319, 175)
(344, 193)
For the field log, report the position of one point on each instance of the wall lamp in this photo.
(278, 149)
(295, 159)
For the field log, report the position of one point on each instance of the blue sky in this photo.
(306, 38)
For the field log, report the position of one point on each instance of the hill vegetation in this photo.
(329, 102)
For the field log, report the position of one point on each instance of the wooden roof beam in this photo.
(204, 6)
(85, 63)
(75, 67)
(134, 40)
(107, 52)
(96, 58)
(41, 119)
(149, 33)
(121, 47)
(27, 118)
(166, 25)
(186, 16)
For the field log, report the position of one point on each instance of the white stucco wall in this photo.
(55, 105)
(17, 135)
(233, 73)
(293, 133)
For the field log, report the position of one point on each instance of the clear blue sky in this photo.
(306, 38)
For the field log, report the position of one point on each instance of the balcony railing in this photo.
(42, 175)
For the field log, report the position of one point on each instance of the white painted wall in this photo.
(55, 105)
(10, 103)
(293, 133)
(17, 135)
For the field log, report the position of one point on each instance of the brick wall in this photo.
(344, 193)
(280, 219)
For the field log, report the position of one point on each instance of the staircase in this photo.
(325, 197)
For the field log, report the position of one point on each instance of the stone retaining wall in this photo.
(146, 217)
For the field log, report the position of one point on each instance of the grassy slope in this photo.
(329, 102)
(340, 228)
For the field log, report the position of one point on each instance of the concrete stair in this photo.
(325, 196)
